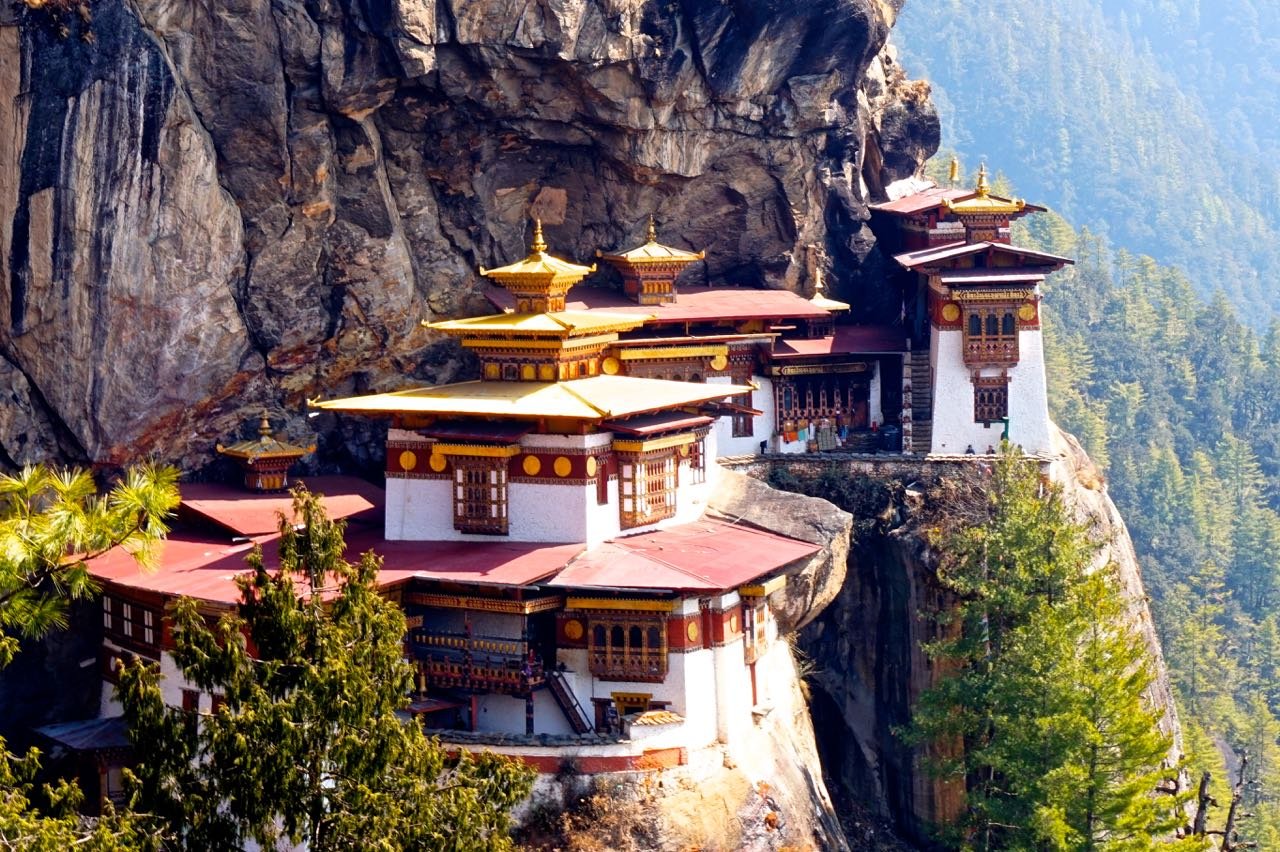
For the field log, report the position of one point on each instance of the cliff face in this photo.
(211, 208)
(865, 646)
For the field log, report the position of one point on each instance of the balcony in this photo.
(642, 665)
(475, 662)
(991, 350)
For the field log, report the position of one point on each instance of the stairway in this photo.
(921, 403)
(568, 703)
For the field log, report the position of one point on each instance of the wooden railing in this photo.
(626, 664)
(476, 662)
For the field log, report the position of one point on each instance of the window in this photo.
(636, 649)
(190, 700)
(991, 336)
(647, 485)
(743, 422)
(602, 482)
(130, 624)
(480, 496)
(990, 398)
(698, 462)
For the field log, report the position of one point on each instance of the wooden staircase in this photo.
(573, 711)
(921, 403)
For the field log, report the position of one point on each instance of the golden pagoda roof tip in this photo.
(981, 202)
(539, 245)
(819, 298)
(264, 446)
(652, 251)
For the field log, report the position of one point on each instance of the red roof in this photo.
(498, 563)
(847, 340)
(250, 513)
(919, 202)
(936, 255)
(707, 555)
(654, 424)
(188, 564)
(693, 304)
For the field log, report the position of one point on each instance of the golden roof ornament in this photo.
(540, 281)
(982, 203)
(539, 245)
(954, 173)
(649, 270)
(265, 459)
(820, 299)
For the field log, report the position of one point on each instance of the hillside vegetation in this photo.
(1148, 121)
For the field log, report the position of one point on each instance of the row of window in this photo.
(647, 487)
(130, 624)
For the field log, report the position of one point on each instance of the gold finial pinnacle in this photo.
(539, 244)
(984, 188)
(652, 234)
(954, 174)
(264, 426)
(818, 284)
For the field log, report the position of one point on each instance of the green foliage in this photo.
(51, 522)
(1178, 400)
(1043, 718)
(1150, 121)
(308, 745)
(57, 826)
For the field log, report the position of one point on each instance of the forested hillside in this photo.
(1178, 399)
(1149, 121)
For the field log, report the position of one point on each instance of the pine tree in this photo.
(51, 523)
(1054, 744)
(308, 744)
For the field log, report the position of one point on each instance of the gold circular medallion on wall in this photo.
(438, 463)
(684, 449)
(733, 623)
(562, 466)
(719, 362)
(1027, 313)
(692, 631)
(592, 466)
(611, 366)
(408, 460)
(951, 312)
(573, 630)
(532, 465)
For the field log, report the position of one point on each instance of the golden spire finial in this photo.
(818, 284)
(539, 244)
(264, 426)
(983, 187)
(652, 233)
(954, 174)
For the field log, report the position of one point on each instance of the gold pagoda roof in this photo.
(553, 324)
(539, 266)
(265, 446)
(653, 252)
(982, 202)
(819, 298)
(594, 398)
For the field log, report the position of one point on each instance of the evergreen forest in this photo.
(1151, 122)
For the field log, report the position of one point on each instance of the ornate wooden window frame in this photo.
(480, 496)
(131, 624)
(990, 334)
(990, 398)
(628, 647)
(648, 485)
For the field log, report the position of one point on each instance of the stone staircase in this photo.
(921, 403)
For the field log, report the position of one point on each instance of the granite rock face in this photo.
(211, 208)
